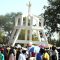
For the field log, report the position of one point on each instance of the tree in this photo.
(1, 40)
(7, 23)
(52, 15)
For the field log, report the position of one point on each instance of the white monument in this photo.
(33, 24)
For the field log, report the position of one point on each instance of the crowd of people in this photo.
(23, 53)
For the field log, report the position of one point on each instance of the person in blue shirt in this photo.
(40, 54)
(1, 56)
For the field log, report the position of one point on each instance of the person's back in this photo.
(54, 54)
(40, 55)
(46, 56)
(17, 54)
(22, 56)
(11, 55)
(1, 56)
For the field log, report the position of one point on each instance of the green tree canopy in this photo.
(7, 21)
(52, 14)
(6, 25)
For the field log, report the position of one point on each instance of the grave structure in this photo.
(32, 25)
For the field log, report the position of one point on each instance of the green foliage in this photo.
(7, 23)
(3, 39)
(52, 42)
(51, 15)
(58, 43)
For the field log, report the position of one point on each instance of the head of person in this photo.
(29, 44)
(24, 50)
(11, 51)
(41, 50)
(53, 47)
(45, 50)
(18, 47)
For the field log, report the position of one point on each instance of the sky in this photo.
(8, 6)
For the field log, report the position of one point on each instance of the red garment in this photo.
(33, 54)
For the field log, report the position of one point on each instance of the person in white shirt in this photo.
(54, 53)
(22, 56)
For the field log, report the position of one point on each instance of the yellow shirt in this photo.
(46, 56)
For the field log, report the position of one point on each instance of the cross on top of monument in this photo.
(29, 7)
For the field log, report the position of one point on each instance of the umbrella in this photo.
(43, 46)
(35, 49)
(31, 49)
